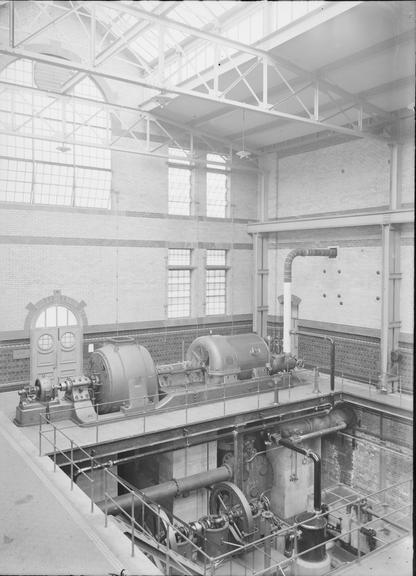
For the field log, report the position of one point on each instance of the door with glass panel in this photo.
(56, 344)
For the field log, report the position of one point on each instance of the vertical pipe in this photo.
(332, 375)
(287, 313)
(316, 469)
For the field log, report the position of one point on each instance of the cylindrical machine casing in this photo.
(215, 540)
(313, 532)
(127, 375)
(224, 355)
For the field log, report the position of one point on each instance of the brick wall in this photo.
(365, 466)
(357, 357)
(164, 344)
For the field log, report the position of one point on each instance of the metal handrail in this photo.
(70, 460)
(210, 562)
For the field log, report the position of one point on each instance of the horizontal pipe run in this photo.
(287, 286)
(316, 469)
(330, 252)
(319, 433)
(170, 489)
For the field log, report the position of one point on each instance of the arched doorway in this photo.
(56, 337)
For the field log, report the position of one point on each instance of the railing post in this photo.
(40, 434)
(105, 499)
(186, 403)
(359, 532)
(132, 523)
(158, 524)
(96, 427)
(72, 464)
(54, 448)
(92, 481)
(258, 395)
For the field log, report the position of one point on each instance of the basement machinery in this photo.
(122, 381)
(122, 378)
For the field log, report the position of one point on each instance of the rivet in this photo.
(324, 295)
(324, 271)
(339, 271)
(377, 297)
(378, 272)
(338, 295)
(341, 303)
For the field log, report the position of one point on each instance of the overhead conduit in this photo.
(169, 489)
(287, 287)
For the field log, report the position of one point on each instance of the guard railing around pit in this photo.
(228, 394)
(238, 555)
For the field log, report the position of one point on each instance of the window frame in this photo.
(222, 267)
(78, 177)
(187, 166)
(177, 267)
(220, 167)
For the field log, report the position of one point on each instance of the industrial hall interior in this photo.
(206, 288)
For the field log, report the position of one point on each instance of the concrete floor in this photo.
(394, 560)
(45, 527)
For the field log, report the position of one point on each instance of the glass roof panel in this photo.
(246, 26)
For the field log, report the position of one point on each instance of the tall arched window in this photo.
(40, 169)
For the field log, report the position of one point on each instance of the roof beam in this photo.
(338, 221)
(135, 81)
(131, 34)
(109, 107)
(407, 81)
(368, 52)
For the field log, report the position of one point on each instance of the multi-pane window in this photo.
(179, 187)
(55, 316)
(37, 166)
(179, 283)
(217, 186)
(216, 282)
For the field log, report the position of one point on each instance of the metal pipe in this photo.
(332, 357)
(287, 286)
(316, 469)
(319, 433)
(171, 488)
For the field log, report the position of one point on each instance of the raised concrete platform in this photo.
(393, 560)
(46, 528)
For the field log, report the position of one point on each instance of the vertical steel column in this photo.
(93, 33)
(161, 55)
(391, 276)
(390, 312)
(11, 24)
(260, 291)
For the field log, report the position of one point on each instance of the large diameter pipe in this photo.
(287, 287)
(170, 489)
(336, 419)
(316, 469)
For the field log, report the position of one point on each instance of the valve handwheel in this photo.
(227, 499)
